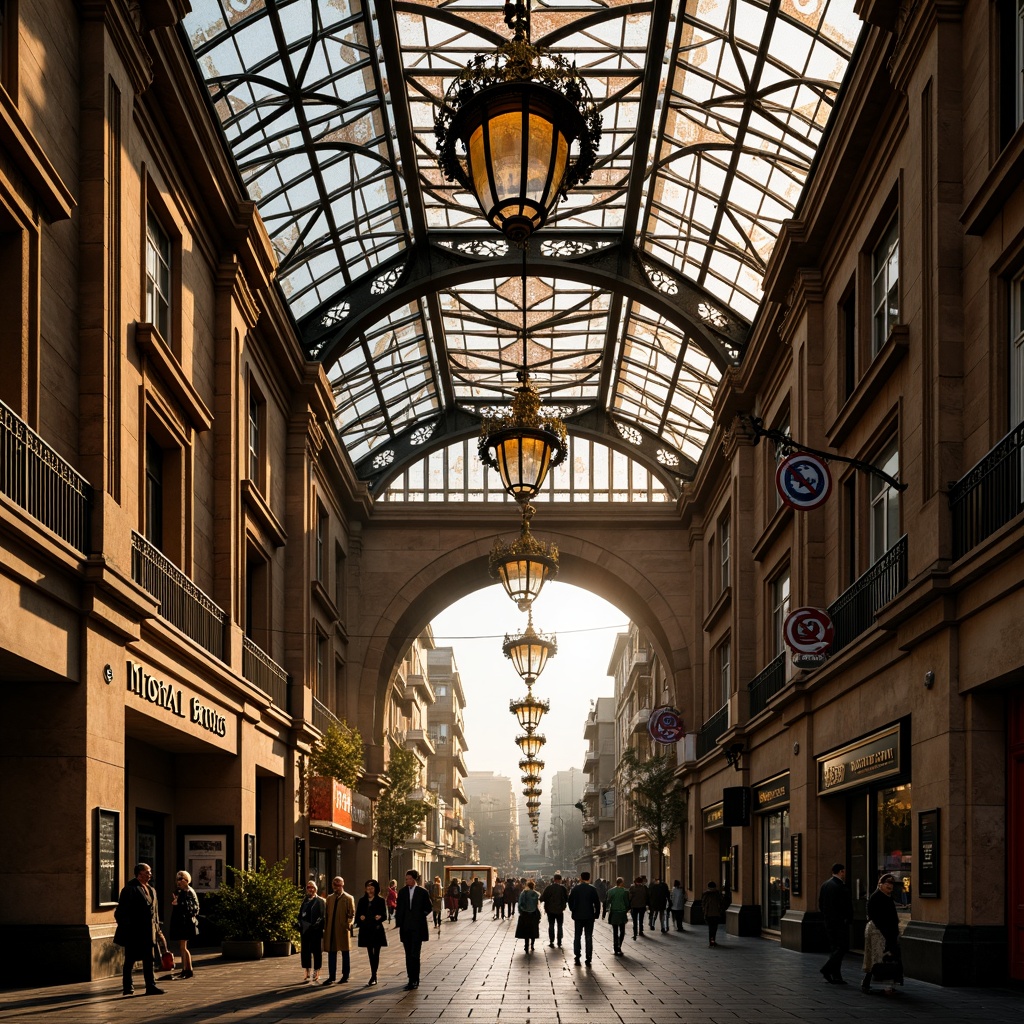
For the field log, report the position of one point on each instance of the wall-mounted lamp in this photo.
(733, 753)
(929, 679)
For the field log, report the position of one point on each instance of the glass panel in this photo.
(775, 878)
(895, 842)
(859, 875)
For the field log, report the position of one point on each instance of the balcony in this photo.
(324, 717)
(707, 738)
(854, 611)
(37, 479)
(768, 682)
(638, 723)
(989, 495)
(590, 825)
(418, 687)
(262, 671)
(181, 602)
(419, 738)
(591, 789)
(590, 759)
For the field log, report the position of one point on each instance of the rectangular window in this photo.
(319, 677)
(724, 672)
(158, 276)
(441, 690)
(154, 511)
(9, 47)
(256, 598)
(848, 333)
(319, 564)
(885, 504)
(255, 437)
(780, 609)
(885, 286)
(1011, 68)
(723, 552)
(779, 451)
(1016, 351)
(339, 581)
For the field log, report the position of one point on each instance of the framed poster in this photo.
(796, 863)
(205, 857)
(928, 845)
(107, 857)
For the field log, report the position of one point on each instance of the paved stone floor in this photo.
(476, 971)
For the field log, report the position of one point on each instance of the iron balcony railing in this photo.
(38, 480)
(707, 738)
(323, 717)
(768, 682)
(854, 610)
(990, 495)
(261, 670)
(182, 603)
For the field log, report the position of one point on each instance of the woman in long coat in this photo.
(454, 892)
(528, 927)
(882, 939)
(184, 919)
(436, 900)
(371, 913)
(311, 929)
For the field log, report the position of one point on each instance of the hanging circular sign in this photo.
(665, 725)
(804, 481)
(808, 630)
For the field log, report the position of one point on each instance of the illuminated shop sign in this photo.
(713, 816)
(876, 757)
(772, 793)
(155, 690)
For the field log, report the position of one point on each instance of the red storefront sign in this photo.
(330, 801)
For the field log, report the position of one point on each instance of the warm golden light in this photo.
(531, 743)
(529, 711)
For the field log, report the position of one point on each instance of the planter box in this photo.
(241, 949)
(278, 947)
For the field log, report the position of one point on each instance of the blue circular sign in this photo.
(804, 481)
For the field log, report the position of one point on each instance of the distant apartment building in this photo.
(447, 770)
(565, 839)
(492, 808)
(599, 763)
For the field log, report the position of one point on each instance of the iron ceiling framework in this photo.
(642, 287)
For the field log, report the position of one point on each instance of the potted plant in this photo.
(260, 908)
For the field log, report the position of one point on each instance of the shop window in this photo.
(319, 554)
(257, 418)
(884, 500)
(158, 276)
(895, 838)
(885, 286)
(775, 879)
(1011, 68)
(779, 594)
(1016, 374)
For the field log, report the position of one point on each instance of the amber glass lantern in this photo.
(529, 711)
(524, 565)
(529, 651)
(531, 743)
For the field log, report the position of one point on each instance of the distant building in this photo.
(599, 790)
(565, 840)
(492, 807)
(447, 769)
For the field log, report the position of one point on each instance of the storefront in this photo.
(771, 805)
(872, 777)
(336, 817)
(718, 849)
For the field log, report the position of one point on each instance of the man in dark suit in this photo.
(585, 905)
(837, 908)
(411, 913)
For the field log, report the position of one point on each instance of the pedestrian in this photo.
(677, 904)
(512, 891)
(882, 958)
(371, 913)
(436, 900)
(713, 903)
(528, 927)
(184, 919)
(618, 913)
(452, 899)
(392, 897)
(339, 913)
(601, 885)
(638, 905)
(138, 929)
(554, 898)
(498, 899)
(476, 896)
(836, 908)
(411, 914)
(585, 905)
(657, 902)
(463, 895)
(311, 931)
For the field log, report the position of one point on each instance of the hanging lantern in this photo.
(531, 743)
(529, 711)
(524, 565)
(529, 651)
(531, 766)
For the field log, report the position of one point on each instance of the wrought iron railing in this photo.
(710, 731)
(182, 603)
(261, 670)
(990, 495)
(854, 610)
(38, 480)
(768, 682)
(324, 717)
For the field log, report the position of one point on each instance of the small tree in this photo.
(658, 807)
(396, 817)
(338, 754)
(261, 905)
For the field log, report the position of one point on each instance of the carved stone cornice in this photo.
(124, 25)
(738, 433)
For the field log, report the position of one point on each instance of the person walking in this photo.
(512, 891)
(371, 913)
(411, 914)
(498, 899)
(392, 897)
(476, 896)
(452, 899)
(528, 927)
(311, 931)
(638, 906)
(677, 904)
(436, 900)
(836, 908)
(617, 904)
(138, 929)
(601, 885)
(184, 919)
(882, 958)
(339, 913)
(585, 906)
(713, 903)
(554, 898)
(657, 902)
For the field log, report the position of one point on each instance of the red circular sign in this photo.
(804, 481)
(808, 630)
(665, 725)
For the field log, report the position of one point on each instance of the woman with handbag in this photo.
(311, 930)
(184, 920)
(882, 960)
(371, 913)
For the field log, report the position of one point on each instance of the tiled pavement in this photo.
(476, 971)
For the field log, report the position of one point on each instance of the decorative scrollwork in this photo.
(667, 458)
(385, 282)
(712, 316)
(384, 458)
(336, 314)
(565, 247)
(660, 280)
(484, 247)
(630, 434)
(423, 434)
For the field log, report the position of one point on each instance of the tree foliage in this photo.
(338, 754)
(261, 905)
(397, 817)
(659, 808)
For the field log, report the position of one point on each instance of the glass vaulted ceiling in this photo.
(713, 111)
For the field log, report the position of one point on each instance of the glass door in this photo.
(895, 838)
(775, 868)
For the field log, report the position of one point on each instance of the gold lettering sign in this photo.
(875, 757)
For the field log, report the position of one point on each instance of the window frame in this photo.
(1015, 336)
(885, 258)
(778, 609)
(321, 536)
(723, 671)
(256, 436)
(724, 535)
(881, 494)
(162, 250)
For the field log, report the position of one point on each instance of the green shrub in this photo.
(260, 906)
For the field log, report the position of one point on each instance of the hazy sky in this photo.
(585, 626)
